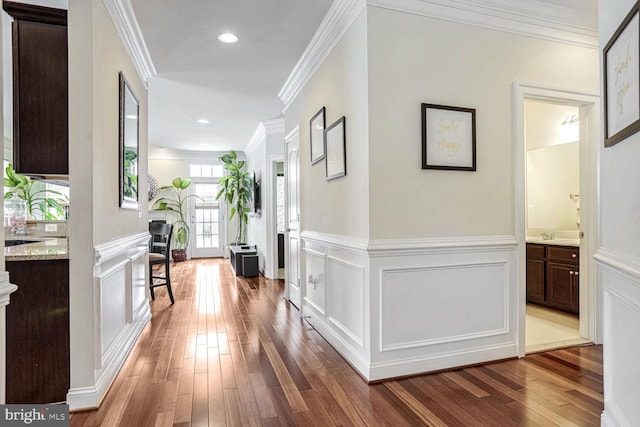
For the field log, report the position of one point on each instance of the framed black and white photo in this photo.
(621, 79)
(448, 138)
(317, 126)
(335, 148)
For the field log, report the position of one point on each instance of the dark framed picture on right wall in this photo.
(621, 80)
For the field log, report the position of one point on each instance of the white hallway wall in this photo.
(431, 282)
(107, 244)
(618, 256)
(266, 145)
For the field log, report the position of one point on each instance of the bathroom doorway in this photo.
(552, 146)
(555, 206)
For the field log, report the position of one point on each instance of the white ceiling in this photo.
(234, 86)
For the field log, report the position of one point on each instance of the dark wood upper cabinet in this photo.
(40, 89)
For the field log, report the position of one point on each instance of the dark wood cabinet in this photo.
(40, 89)
(553, 277)
(37, 330)
(535, 281)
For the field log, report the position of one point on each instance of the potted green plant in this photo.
(177, 202)
(236, 188)
(37, 197)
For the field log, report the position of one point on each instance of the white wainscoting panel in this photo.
(121, 311)
(338, 305)
(346, 298)
(441, 301)
(139, 284)
(112, 294)
(403, 307)
(315, 280)
(619, 275)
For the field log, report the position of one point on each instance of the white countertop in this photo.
(554, 241)
(47, 248)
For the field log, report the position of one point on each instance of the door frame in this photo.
(589, 106)
(294, 134)
(271, 215)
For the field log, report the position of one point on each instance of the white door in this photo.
(292, 220)
(207, 222)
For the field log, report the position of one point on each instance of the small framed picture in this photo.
(335, 140)
(317, 126)
(621, 79)
(448, 138)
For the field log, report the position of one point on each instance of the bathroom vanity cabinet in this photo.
(553, 277)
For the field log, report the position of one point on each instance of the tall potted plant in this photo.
(177, 202)
(236, 188)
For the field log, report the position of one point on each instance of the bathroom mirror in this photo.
(128, 146)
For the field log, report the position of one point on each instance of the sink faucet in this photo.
(547, 236)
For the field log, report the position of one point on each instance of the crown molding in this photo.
(529, 18)
(524, 17)
(264, 128)
(274, 126)
(124, 19)
(336, 22)
(258, 136)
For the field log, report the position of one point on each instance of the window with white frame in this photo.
(206, 170)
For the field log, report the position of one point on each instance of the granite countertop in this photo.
(45, 249)
(555, 241)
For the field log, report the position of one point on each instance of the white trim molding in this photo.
(108, 250)
(529, 18)
(124, 19)
(386, 247)
(6, 289)
(336, 22)
(264, 128)
(352, 244)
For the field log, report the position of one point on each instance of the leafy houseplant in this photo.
(130, 173)
(236, 187)
(177, 203)
(38, 202)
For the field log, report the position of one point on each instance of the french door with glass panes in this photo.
(207, 221)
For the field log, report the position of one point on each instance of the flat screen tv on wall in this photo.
(257, 198)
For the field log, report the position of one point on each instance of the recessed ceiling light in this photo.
(227, 38)
(203, 121)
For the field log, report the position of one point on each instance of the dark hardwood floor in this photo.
(232, 352)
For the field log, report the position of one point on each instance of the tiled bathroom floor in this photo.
(546, 329)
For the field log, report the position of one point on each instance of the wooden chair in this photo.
(159, 247)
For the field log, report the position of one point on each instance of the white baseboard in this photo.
(415, 366)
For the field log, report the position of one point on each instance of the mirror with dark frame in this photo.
(129, 109)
